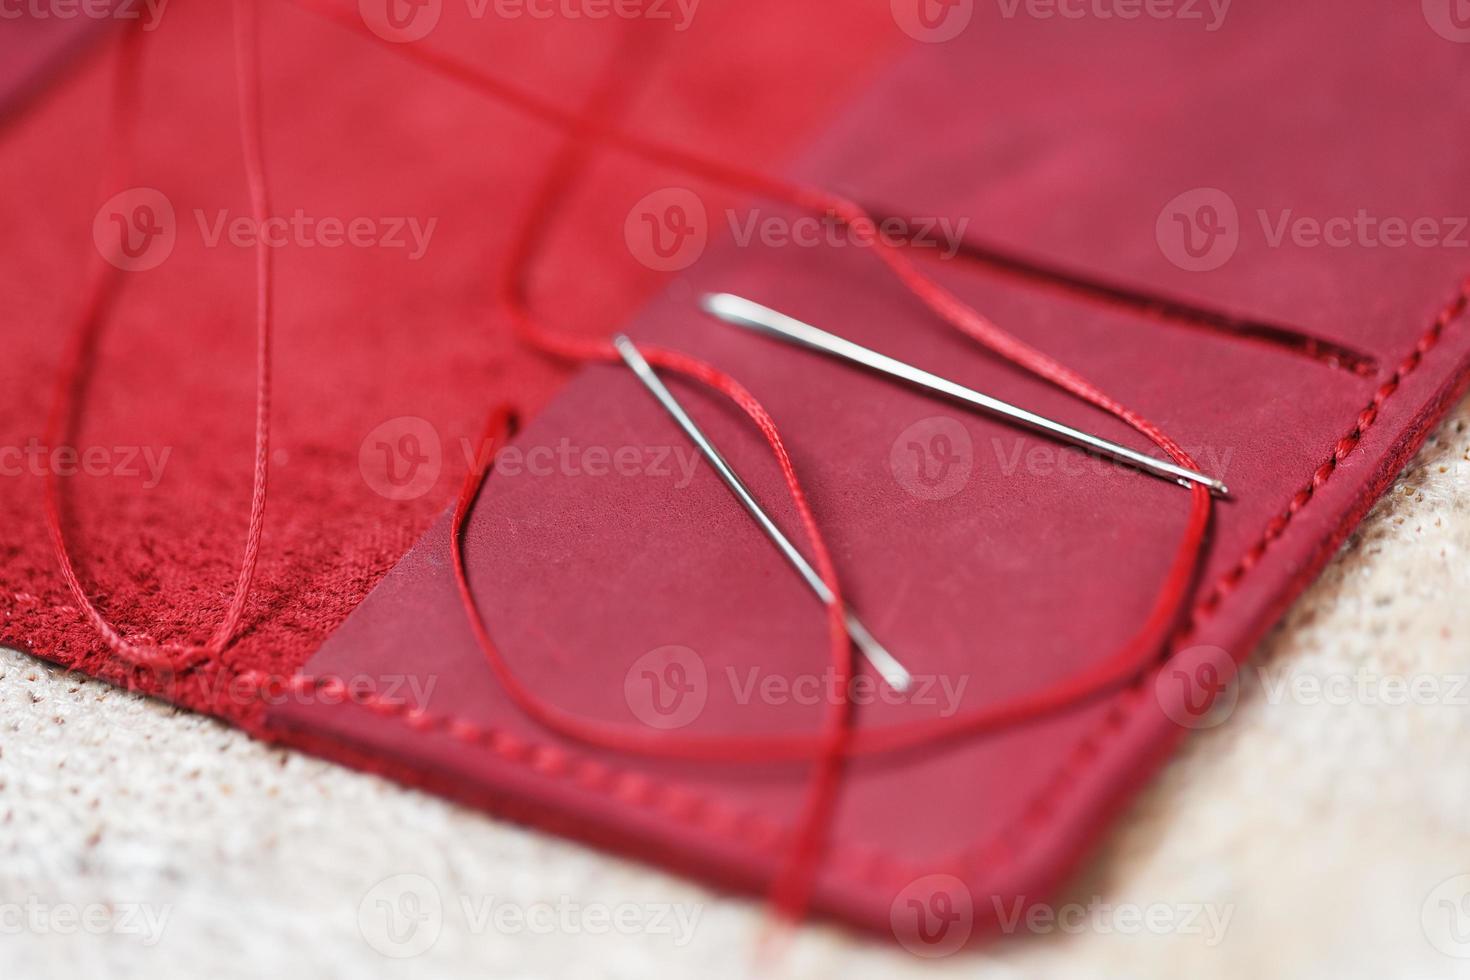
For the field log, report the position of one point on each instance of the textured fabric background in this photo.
(1329, 827)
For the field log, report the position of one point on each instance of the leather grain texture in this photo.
(1088, 144)
(1068, 141)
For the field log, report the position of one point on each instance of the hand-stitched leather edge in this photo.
(626, 784)
(869, 863)
(1088, 748)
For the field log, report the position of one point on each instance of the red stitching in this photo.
(865, 862)
(1089, 746)
(630, 786)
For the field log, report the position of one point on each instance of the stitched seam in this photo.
(866, 862)
(627, 785)
(1088, 748)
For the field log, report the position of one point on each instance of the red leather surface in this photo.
(363, 335)
(1062, 139)
(1066, 141)
(33, 49)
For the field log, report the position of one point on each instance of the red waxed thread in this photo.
(101, 283)
(247, 89)
(99, 294)
(956, 312)
(794, 883)
(1116, 670)
(791, 888)
(939, 300)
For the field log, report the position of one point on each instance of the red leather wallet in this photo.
(1185, 168)
(1160, 158)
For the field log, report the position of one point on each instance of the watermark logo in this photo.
(1450, 19)
(32, 915)
(932, 21)
(1208, 921)
(401, 458)
(406, 694)
(945, 692)
(1022, 454)
(1199, 230)
(401, 21)
(943, 234)
(1445, 917)
(1199, 687)
(407, 233)
(1210, 13)
(148, 12)
(679, 13)
(402, 916)
(135, 230)
(668, 229)
(142, 463)
(667, 688)
(1368, 688)
(676, 464)
(933, 458)
(933, 916)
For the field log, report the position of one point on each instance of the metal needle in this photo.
(883, 662)
(745, 313)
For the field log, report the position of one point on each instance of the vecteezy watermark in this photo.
(402, 694)
(302, 230)
(1016, 455)
(145, 463)
(1445, 917)
(1210, 14)
(753, 685)
(404, 916)
(932, 21)
(135, 229)
(1198, 687)
(149, 12)
(138, 229)
(402, 458)
(1207, 920)
(933, 916)
(1363, 687)
(404, 21)
(32, 915)
(1450, 19)
(1201, 230)
(566, 458)
(944, 234)
(669, 688)
(933, 458)
(669, 229)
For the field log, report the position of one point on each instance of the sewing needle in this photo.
(892, 672)
(742, 312)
